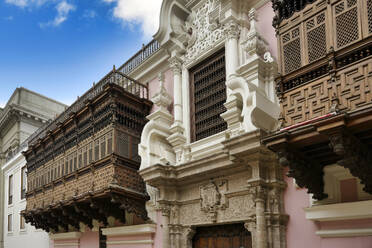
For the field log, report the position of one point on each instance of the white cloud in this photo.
(89, 14)
(26, 3)
(63, 10)
(143, 12)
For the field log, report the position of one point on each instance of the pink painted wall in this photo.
(89, 239)
(168, 84)
(265, 15)
(301, 232)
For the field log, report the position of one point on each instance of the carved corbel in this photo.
(355, 156)
(308, 174)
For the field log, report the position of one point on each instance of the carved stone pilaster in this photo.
(251, 226)
(175, 64)
(188, 234)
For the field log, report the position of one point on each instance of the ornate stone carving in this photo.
(205, 29)
(254, 43)
(232, 30)
(188, 234)
(154, 147)
(212, 198)
(176, 65)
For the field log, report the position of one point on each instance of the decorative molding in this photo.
(130, 242)
(129, 230)
(64, 236)
(205, 27)
(340, 211)
(344, 233)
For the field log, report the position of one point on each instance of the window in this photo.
(207, 95)
(10, 224)
(10, 190)
(21, 222)
(23, 182)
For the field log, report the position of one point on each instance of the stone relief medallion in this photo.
(213, 198)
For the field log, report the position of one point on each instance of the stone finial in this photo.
(162, 99)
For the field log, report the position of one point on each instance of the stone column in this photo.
(261, 231)
(165, 211)
(177, 139)
(175, 64)
(231, 47)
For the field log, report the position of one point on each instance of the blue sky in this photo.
(60, 47)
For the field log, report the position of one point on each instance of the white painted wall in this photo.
(29, 237)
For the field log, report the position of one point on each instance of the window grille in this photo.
(208, 94)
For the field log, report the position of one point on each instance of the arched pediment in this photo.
(173, 15)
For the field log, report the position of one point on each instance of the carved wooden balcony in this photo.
(83, 166)
(325, 53)
(324, 89)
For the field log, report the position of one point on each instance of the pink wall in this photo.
(168, 84)
(265, 15)
(89, 239)
(301, 232)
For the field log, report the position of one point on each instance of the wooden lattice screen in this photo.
(369, 9)
(291, 50)
(347, 25)
(208, 94)
(316, 37)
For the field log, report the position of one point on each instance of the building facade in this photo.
(199, 167)
(24, 113)
(323, 137)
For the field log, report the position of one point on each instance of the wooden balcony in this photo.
(84, 167)
(325, 91)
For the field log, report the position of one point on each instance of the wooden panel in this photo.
(352, 86)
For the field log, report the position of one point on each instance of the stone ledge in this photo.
(64, 236)
(345, 233)
(340, 211)
(129, 230)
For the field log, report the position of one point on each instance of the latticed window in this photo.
(291, 50)
(316, 37)
(208, 94)
(347, 26)
(369, 9)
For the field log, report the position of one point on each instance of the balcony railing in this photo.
(116, 77)
(140, 57)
